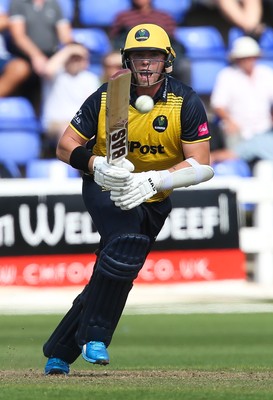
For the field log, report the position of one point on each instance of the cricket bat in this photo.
(117, 107)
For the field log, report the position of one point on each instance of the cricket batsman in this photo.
(168, 148)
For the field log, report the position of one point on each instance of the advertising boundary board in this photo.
(48, 239)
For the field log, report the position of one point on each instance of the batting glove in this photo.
(110, 176)
(143, 187)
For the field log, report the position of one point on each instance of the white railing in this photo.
(257, 239)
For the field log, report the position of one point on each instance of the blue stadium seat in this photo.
(17, 113)
(50, 169)
(201, 41)
(233, 34)
(68, 8)
(268, 61)
(176, 8)
(17, 148)
(101, 13)
(266, 43)
(98, 43)
(4, 5)
(20, 130)
(203, 74)
(95, 39)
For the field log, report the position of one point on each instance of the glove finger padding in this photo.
(110, 176)
(124, 163)
(143, 188)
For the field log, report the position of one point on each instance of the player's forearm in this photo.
(68, 143)
(192, 175)
(186, 164)
(63, 152)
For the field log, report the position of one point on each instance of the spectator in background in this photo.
(242, 99)
(223, 14)
(37, 29)
(67, 82)
(142, 12)
(111, 63)
(13, 70)
(245, 14)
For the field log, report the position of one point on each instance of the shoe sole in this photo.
(98, 362)
(56, 372)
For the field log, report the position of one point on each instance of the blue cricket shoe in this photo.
(56, 366)
(95, 353)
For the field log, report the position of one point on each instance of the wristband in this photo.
(79, 158)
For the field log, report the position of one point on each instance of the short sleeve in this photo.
(194, 119)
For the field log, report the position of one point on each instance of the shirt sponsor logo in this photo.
(203, 129)
(134, 146)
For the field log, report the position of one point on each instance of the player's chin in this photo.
(151, 82)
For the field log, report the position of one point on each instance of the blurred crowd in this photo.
(55, 53)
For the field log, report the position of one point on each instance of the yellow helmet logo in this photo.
(142, 35)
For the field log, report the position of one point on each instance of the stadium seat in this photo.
(20, 133)
(50, 169)
(17, 113)
(101, 13)
(96, 40)
(201, 41)
(203, 74)
(233, 34)
(68, 8)
(266, 43)
(268, 61)
(176, 8)
(17, 148)
(4, 5)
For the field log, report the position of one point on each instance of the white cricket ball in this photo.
(144, 104)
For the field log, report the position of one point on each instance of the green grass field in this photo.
(170, 357)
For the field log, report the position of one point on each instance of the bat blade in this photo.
(117, 107)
